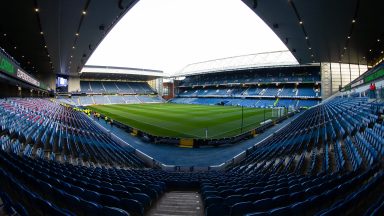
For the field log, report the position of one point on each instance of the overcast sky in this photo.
(169, 34)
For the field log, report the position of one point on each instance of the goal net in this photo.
(278, 112)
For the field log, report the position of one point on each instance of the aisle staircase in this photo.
(178, 203)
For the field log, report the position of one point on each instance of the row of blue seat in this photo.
(325, 141)
(72, 190)
(324, 162)
(240, 91)
(51, 130)
(109, 99)
(245, 102)
(115, 87)
(239, 77)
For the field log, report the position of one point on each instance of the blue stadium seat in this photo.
(217, 209)
(133, 207)
(210, 200)
(114, 211)
(242, 208)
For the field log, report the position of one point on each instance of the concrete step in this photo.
(178, 203)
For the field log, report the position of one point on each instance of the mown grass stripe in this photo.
(180, 120)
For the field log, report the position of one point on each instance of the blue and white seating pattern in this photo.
(60, 133)
(115, 87)
(328, 161)
(251, 77)
(110, 99)
(250, 96)
(266, 91)
(49, 188)
(246, 102)
(303, 150)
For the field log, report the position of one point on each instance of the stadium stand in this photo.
(110, 99)
(116, 99)
(259, 88)
(124, 87)
(44, 129)
(255, 103)
(56, 159)
(84, 100)
(308, 75)
(325, 162)
(111, 87)
(111, 92)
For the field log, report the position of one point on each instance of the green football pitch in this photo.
(184, 120)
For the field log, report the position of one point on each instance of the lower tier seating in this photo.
(247, 102)
(45, 129)
(115, 87)
(328, 161)
(109, 99)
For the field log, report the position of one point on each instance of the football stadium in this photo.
(155, 119)
(297, 131)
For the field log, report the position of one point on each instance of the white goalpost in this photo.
(278, 112)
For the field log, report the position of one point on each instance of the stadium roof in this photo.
(259, 60)
(58, 36)
(110, 72)
(346, 31)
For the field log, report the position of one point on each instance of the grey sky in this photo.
(169, 34)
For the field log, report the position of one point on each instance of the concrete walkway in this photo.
(178, 203)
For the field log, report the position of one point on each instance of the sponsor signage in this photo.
(27, 78)
(376, 75)
(10, 68)
(6, 65)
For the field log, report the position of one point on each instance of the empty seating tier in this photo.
(110, 87)
(265, 75)
(44, 129)
(328, 161)
(253, 88)
(251, 96)
(109, 99)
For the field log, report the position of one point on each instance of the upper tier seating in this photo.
(270, 91)
(302, 167)
(251, 96)
(307, 103)
(266, 91)
(288, 92)
(253, 88)
(289, 102)
(306, 92)
(251, 77)
(252, 91)
(100, 99)
(124, 87)
(260, 88)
